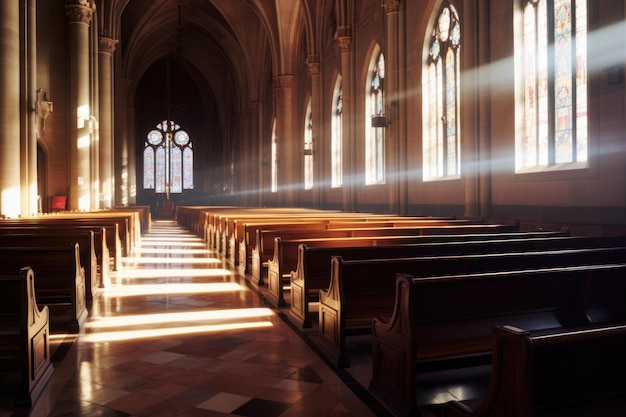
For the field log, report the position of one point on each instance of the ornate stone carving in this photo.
(283, 81)
(106, 45)
(313, 61)
(78, 11)
(391, 5)
(344, 43)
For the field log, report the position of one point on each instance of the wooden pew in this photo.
(556, 373)
(145, 216)
(25, 345)
(312, 272)
(246, 232)
(287, 257)
(362, 289)
(128, 224)
(196, 218)
(446, 321)
(94, 268)
(111, 243)
(262, 252)
(59, 281)
(242, 227)
(225, 223)
(221, 220)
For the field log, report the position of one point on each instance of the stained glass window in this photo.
(337, 137)
(168, 159)
(308, 149)
(375, 140)
(441, 143)
(554, 83)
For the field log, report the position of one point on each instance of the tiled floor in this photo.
(176, 334)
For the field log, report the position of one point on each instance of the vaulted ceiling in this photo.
(227, 46)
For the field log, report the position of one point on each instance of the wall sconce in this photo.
(43, 107)
(379, 120)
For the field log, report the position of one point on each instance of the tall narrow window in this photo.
(375, 139)
(337, 137)
(553, 88)
(308, 148)
(168, 159)
(274, 151)
(441, 143)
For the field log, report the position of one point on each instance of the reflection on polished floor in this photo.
(177, 334)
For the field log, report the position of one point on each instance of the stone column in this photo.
(256, 159)
(287, 177)
(10, 188)
(120, 142)
(348, 87)
(28, 162)
(313, 62)
(79, 15)
(107, 180)
(484, 163)
(395, 88)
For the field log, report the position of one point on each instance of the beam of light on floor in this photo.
(174, 251)
(175, 331)
(170, 243)
(166, 239)
(170, 289)
(163, 260)
(170, 318)
(171, 273)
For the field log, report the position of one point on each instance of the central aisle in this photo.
(177, 334)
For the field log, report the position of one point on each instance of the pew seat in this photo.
(24, 335)
(59, 281)
(445, 322)
(556, 373)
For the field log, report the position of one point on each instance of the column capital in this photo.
(78, 11)
(313, 62)
(283, 81)
(344, 38)
(391, 5)
(106, 45)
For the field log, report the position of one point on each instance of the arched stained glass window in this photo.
(308, 148)
(553, 89)
(168, 159)
(442, 139)
(375, 139)
(337, 137)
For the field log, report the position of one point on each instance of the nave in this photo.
(175, 334)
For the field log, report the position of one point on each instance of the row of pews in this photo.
(52, 268)
(535, 319)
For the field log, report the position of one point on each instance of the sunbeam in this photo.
(176, 331)
(163, 260)
(170, 289)
(167, 318)
(173, 273)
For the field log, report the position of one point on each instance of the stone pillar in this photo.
(28, 162)
(120, 142)
(395, 88)
(256, 159)
(313, 62)
(348, 87)
(107, 179)
(10, 188)
(484, 156)
(79, 15)
(287, 177)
